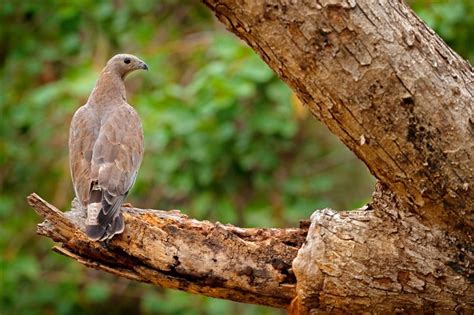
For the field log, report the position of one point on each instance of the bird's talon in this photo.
(105, 244)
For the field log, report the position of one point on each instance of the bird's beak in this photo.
(144, 66)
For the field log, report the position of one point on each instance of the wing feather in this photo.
(83, 134)
(106, 150)
(116, 157)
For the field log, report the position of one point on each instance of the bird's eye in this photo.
(126, 60)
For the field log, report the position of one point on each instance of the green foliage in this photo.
(225, 139)
(453, 20)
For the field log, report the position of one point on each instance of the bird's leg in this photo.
(105, 244)
(127, 205)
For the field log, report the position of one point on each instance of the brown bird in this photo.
(106, 149)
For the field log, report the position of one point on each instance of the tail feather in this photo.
(104, 219)
(95, 232)
(117, 226)
(100, 232)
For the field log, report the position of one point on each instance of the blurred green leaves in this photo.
(453, 20)
(98, 292)
(212, 136)
(225, 139)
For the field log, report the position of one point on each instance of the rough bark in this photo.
(380, 261)
(397, 96)
(383, 82)
(167, 249)
(402, 100)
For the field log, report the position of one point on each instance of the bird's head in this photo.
(123, 64)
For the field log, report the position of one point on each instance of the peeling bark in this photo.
(402, 100)
(383, 82)
(167, 249)
(381, 261)
(398, 97)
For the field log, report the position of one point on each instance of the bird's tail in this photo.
(103, 219)
(102, 232)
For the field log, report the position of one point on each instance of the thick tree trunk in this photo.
(381, 261)
(402, 100)
(397, 96)
(383, 82)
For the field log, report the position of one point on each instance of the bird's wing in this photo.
(83, 134)
(116, 157)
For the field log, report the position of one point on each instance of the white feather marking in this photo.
(93, 210)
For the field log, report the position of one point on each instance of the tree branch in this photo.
(383, 82)
(382, 261)
(377, 259)
(402, 100)
(170, 250)
(397, 96)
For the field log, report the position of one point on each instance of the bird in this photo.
(106, 149)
